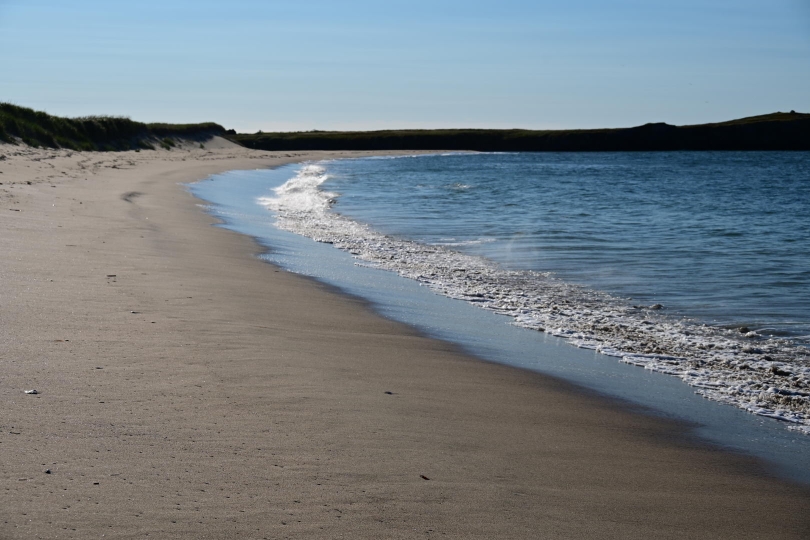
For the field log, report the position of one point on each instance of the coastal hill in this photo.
(777, 131)
(102, 133)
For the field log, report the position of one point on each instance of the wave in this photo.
(426, 154)
(767, 376)
(301, 195)
(452, 242)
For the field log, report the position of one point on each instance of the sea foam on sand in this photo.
(765, 376)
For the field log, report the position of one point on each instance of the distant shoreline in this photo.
(777, 131)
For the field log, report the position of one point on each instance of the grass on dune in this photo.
(103, 133)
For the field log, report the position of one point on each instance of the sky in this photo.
(355, 64)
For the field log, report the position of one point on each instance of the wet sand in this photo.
(189, 390)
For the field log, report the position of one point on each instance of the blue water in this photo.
(364, 190)
(722, 236)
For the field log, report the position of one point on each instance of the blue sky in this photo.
(357, 64)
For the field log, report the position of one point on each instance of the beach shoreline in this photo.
(188, 389)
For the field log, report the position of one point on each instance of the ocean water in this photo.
(587, 266)
(720, 237)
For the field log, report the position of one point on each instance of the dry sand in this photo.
(188, 390)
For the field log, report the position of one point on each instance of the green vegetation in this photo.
(186, 131)
(104, 133)
(778, 131)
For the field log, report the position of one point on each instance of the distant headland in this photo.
(776, 131)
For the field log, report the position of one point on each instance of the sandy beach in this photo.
(187, 389)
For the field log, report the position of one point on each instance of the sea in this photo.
(675, 282)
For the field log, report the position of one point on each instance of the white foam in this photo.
(767, 377)
(453, 242)
(301, 194)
